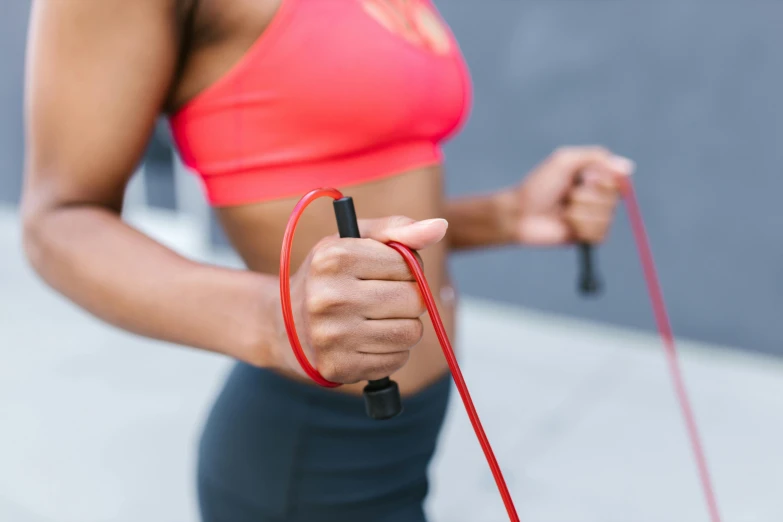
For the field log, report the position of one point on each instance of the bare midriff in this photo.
(256, 230)
(256, 233)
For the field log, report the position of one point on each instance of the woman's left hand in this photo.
(569, 197)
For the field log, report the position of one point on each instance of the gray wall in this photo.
(13, 30)
(690, 90)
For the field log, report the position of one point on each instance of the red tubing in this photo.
(285, 283)
(456, 374)
(667, 336)
(656, 297)
(440, 330)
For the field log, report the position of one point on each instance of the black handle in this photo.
(382, 397)
(589, 283)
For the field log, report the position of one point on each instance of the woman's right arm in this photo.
(98, 73)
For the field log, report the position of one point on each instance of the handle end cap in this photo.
(383, 403)
(589, 286)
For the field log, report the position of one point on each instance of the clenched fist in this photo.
(569, 197)
(356, 304)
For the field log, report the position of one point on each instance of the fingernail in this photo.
(428, 222)
(624, 165)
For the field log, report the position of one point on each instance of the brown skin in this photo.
(100, 72)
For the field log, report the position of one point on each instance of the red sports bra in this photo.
(334, 93)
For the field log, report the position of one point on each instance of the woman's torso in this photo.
(222, 32)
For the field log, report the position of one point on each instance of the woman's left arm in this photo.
(570, 196)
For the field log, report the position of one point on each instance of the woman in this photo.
(268, 99)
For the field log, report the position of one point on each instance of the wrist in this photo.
(260, 334)
(507, 210)
(482, 221)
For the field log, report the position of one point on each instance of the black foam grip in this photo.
(381, 397)
(589, 283)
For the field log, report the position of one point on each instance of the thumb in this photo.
(416, 235)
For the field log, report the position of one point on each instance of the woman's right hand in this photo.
(356, 304)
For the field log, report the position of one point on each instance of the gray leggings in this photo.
(275, 450)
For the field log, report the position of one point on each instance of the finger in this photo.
(608, 171)
(589, 204)
(388, 336)
(364, 259)
(416, 235)
(390, 300)
(588, 226)
(621, 166)
(565, 166)
(377, 366)
(575, 159)
(373, 228)
(350, 368)
(594, 197)
(600, 178)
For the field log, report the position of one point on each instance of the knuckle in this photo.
(405, 334)
(324, 300)
(597, 232)
(569, 154)
(400, 268)
(577, 196)
(562, 153)
(596, 238)
(421, 307)
(317, 304)
(320, 258)
(397, 361)
(323, 337)
(398, 221)
(329, 257)
(331, 370)
(408, 294)
(341, 367)
(574, 216)
(415, 332)
(603, 209)
(598, 150)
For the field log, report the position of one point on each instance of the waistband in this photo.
(331, 406)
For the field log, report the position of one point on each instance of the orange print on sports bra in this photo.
(413, 20)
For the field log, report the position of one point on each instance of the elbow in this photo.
(34, 237)
(38, 214)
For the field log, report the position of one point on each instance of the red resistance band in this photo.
(656, 297)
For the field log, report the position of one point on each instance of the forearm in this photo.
(128, 280)
(480, 221)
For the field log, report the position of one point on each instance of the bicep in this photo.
(98, 74)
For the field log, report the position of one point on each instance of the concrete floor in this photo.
(98, 426)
